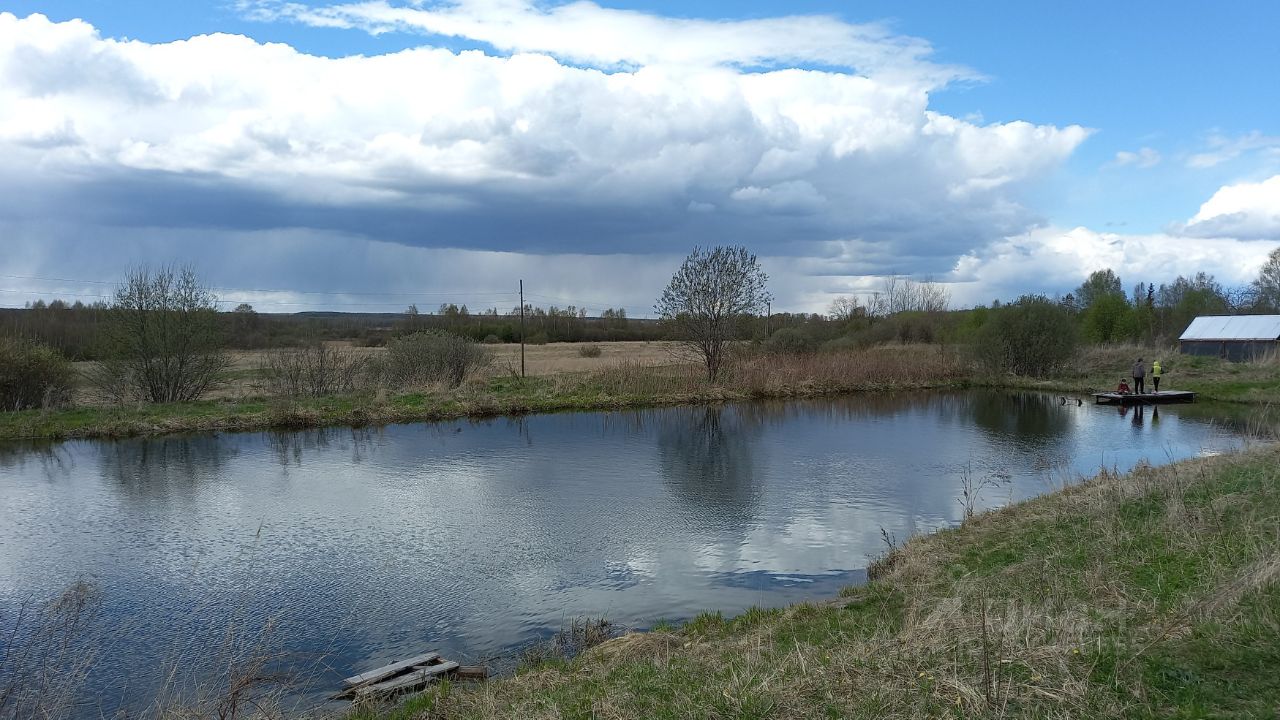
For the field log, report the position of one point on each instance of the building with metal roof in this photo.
(1232, 337)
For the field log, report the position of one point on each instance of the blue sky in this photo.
(1119, 119)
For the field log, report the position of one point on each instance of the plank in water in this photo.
(414, 679)
(472, 672)
(389, 670)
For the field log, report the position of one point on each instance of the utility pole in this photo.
(768, 319)
(522, 328)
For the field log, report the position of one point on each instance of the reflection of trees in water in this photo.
(289, 446)
(1031, 418)
(760, 413)
(164, 463)
(54, 458)
(1236, 418)
(708, 457)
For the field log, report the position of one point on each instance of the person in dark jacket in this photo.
(1139, 376)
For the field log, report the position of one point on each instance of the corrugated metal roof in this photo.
(1233, 327)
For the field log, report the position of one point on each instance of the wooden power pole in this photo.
(521, 328)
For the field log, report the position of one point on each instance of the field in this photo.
(244, 378)
(625, 375)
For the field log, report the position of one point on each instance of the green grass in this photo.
(890, 368)
(1151, 594)
(610, 388)
(1101, 367)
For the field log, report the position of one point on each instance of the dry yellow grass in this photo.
(243, 380)
(559, 358)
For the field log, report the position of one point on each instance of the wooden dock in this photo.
(404, 676)
(1160, 398)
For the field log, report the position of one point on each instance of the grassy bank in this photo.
(1150, 594)
(620, 385)
(620, 382)
(1101, 367)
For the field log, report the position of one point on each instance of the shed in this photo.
(1232, 337)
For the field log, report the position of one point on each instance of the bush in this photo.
(163, 339)
(538, 338)
(589, 351)
(1033, 336)
(33, 376)
(431, 356)
(492, 340)
(790, 341)
(313, 371)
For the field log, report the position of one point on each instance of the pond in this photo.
(476, 538)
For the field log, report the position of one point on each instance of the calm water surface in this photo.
(478, 537)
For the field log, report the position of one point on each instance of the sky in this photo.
(368, 154)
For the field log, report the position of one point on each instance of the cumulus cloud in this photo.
(1144, 158)
(1242, 210)
(1053, 259)
(432, 147)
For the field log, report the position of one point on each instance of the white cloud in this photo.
(1144, 158)
(1223, 148)
(1243, 210)
(584, 32)
(432, 147)
(1053, 259)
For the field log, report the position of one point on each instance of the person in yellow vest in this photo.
(1156, 370)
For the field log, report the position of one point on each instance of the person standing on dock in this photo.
(1139, 375)
(1155, 376)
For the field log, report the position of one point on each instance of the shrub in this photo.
(538, 338)
(1033, 336)
(33, 376)
(313, 371)
(790, 341)
(431, 356)
(589, 351)
(492, 340)
(163, 339)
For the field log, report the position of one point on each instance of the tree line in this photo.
(162, 338)
(75, 329)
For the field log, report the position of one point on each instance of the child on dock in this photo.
(1123, 387)
(1156, 371)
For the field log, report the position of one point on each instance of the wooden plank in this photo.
(417, 678)
(1165, 396)
(471, 672)
(387, 671)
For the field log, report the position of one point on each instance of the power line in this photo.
(56, 293)
(494, 297)
(588, 303)
(450, 293)
(228, 301)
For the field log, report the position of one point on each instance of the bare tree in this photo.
(162, 338)
(902, 294)
(846, 308)
(707, 297)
